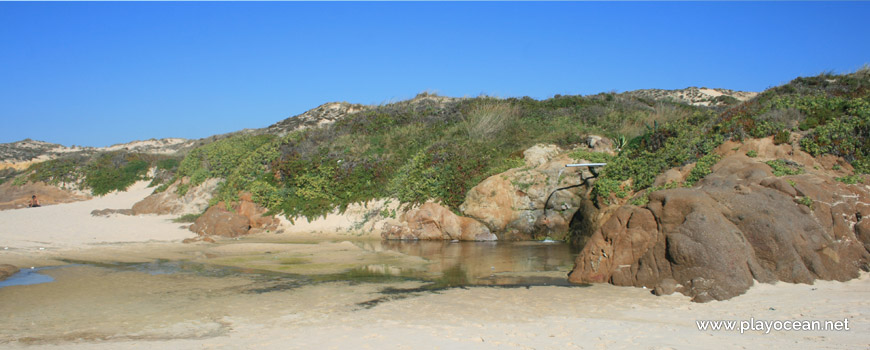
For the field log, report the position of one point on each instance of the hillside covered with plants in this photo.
(827, 114)
(99, 173)
(426, 148)
(437, 148)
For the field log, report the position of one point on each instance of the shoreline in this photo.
(599, 316)
(88, 307)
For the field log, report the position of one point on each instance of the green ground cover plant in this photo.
(433, 148)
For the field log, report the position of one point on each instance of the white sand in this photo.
(71, 224)
(597, 317)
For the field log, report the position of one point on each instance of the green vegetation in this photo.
(662, 147)
(101, 173)
(834, 110)
(752, 154)
(643, 198)
(702, 168)
(783, 167)
(187, 218)
(417, 150)
(851, 179)
(807, 201)
(433, 148)
(781, 137)
(594, 157)
(217, 159)
(106, 174)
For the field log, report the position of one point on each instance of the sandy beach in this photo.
(118, 289)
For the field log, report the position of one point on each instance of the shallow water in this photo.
(197, 295)
(27, 277)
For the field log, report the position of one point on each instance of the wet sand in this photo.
(266, 292)
(85, 308)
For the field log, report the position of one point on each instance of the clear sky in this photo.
(98, 73)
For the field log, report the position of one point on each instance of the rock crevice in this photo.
(740, 224)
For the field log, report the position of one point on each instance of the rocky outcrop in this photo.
(194, 201)
(7, 270)
(13, 196)
(512, 204)
(244, 218)
(431, 221)
(739, 224)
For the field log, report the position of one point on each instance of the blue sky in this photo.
(100, 73)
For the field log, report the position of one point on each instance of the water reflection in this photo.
(437, 265)
(480, 263)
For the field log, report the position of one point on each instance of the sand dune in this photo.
(71, 224)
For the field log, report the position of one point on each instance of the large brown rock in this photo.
(739, 224)
(7, 270)
(255, 213)
(219, 221)
(246, 217)
(432, 221)
(512, 204)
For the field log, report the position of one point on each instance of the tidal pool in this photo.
(201, 289)
(27, 277)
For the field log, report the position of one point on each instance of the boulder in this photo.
(255, 213)
(540, 154)
(244, 218)
(599, 143)
(738, 225)
(512, 204)
(7, 270)
(431, 221)
(219, 221)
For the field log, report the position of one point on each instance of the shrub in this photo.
(488, 118)
(218, 159)
(643, 198)
(168, 164)
(594, 157)
(752, 154)
(605, 187)
(851, 179)
(104, 176)
(670, 145)
(186, 218)
(702, 168)
(782, 167)
(781, 137)
(807, 201)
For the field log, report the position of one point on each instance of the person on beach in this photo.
(34, 202)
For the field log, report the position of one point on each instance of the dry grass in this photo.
(488, 118)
